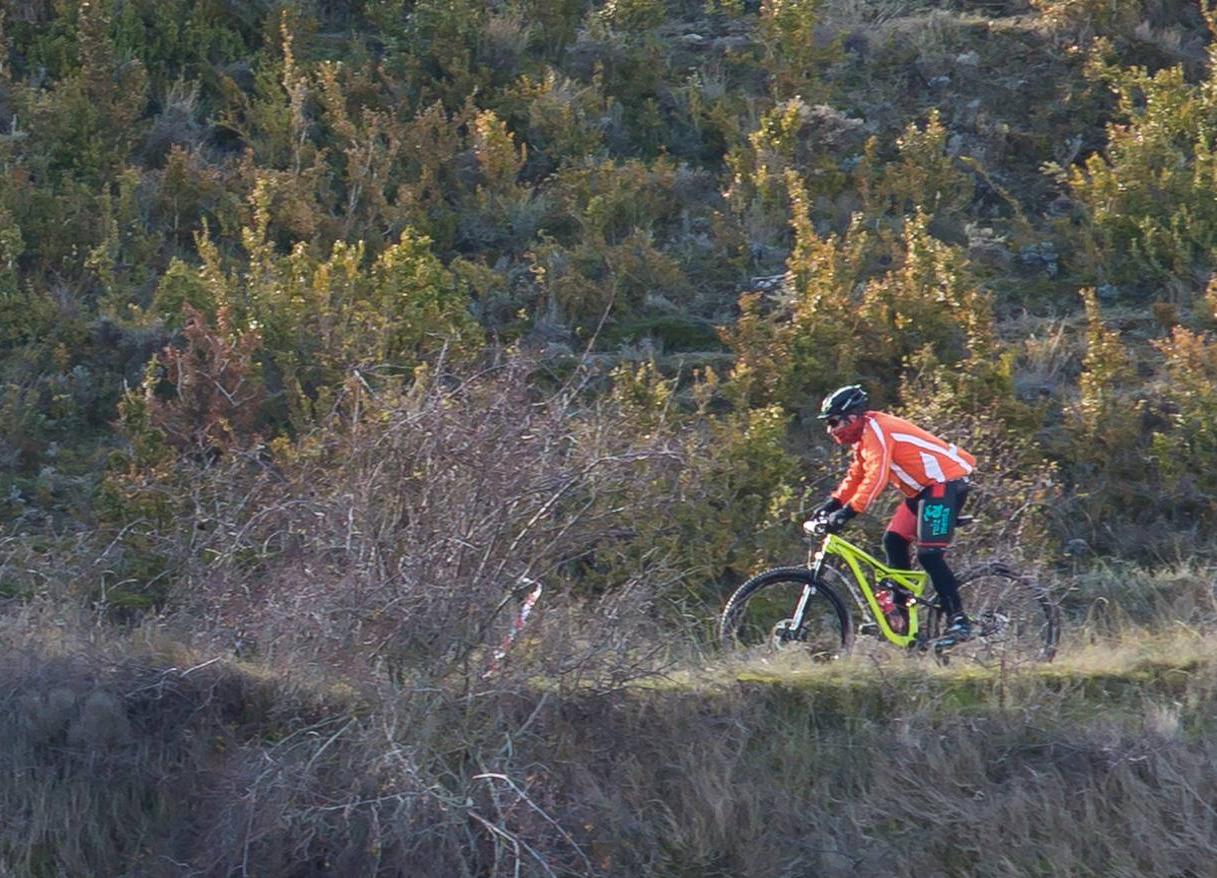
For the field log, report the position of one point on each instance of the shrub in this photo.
(792, 137)
(562, 119)
(592, 284)
(213, 392)
(402, 524)
(793, 54)
(634, 15)
(845, 323)
(1085, 20)
(1182, 450)
(924, 177)
(1150, 193)
(1103, 418)
(84, 126)
(1106, 458)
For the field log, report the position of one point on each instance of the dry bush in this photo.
(402, 535)
(1122, 602)
(120, 763)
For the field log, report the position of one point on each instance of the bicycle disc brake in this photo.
(785, 635)
(992, 624)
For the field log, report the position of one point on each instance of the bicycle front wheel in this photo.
(1014, 619)
(759, 618)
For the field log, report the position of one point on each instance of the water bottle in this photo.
(896, 618)
(885, 600)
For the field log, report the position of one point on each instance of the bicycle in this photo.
(800, 608)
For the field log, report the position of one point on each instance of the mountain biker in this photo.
(932, 475)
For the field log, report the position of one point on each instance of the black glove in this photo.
(824, 509)
(839, 518)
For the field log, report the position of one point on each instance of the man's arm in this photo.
(874, 463)
(849, 485)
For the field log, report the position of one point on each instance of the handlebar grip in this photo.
(816, 527)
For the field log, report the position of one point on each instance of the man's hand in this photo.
(837, 520)
(829, 518)
(825, 509)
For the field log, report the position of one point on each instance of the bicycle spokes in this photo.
(785, 611)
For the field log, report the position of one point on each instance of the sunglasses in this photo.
(834, 422)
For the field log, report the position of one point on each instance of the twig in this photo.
(554, 823)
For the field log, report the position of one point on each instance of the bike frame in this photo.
(858, 562)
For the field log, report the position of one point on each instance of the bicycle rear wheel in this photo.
(759, 617)
(1014, 619)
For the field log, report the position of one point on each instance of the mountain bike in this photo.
(1014, 618)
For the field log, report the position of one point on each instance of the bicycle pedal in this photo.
(869, 629)
(948, 642)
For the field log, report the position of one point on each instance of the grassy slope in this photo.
(146, 761)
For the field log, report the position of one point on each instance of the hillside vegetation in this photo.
(327, 328)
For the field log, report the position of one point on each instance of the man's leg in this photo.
(938, 510)
(934, 562)
(898, 539)
(898, 550)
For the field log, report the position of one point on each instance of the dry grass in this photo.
(137, 756)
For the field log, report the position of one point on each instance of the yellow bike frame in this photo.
(857, 561)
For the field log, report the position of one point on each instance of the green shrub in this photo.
(561, 118)
(85, 124)
(792, 137)
(732, 506)
(1080, 21)
(847, 322)
(793, 53)
(1182, 451)
(634, 15)
(923, 177)
(1150, 195)
(1105, 420)
(1107, 457)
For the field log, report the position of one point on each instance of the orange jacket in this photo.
(896, 452)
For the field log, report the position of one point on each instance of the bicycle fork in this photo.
(796, 620)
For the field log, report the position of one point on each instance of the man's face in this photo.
(844, 429)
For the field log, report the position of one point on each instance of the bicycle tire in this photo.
(751, 617)
(1014, 618)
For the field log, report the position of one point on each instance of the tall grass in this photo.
(135, 755)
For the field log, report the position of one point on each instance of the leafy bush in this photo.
(634, 15)
(1182, 449)
(1082, 20)
(849, 323)
(1108, 456)
(1150, 193)
(923, 177)
(793, 54)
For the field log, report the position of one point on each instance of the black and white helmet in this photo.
(849, 400)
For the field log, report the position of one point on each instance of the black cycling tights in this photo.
(933, 562)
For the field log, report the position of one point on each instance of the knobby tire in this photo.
(765, 601)
(1014, 617)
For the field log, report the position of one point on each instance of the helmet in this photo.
(850, 400)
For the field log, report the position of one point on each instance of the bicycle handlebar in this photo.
(816, 527)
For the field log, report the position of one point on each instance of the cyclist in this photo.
(932, 475)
